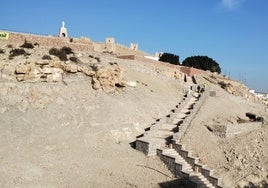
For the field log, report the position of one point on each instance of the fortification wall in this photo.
(85, 44)
(124, 50)
(82, 44)
(190, 71)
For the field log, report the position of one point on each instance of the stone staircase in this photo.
(162, 139)
(179, 167)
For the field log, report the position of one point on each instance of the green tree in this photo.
(202, 62)
(170, 58)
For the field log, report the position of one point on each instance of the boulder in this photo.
(47, 70)
(22, 69)
(71, 67)
(42, 62)
(109, 78)
(95, 83)
(55, 63)
(55, 76)
(131, 83)
(8, 70)
(86, 70)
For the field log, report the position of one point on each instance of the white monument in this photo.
(134, 46)
(63, 31)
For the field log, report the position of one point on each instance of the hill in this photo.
(70, 123)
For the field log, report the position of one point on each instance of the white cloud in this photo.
(231, 4)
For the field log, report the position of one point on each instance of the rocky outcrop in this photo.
(108, 78)
(38, 71)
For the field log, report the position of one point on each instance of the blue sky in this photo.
(232, 32)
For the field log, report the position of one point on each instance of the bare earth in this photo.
(66, 134)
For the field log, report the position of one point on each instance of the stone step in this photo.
(185, 166)
(185, 111)
(169, 127)
(199, 178)
(177, 121)
(163, 132)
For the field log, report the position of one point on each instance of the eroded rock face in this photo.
(38, 71)
(33, 68)
(108, 78)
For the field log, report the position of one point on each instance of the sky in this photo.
(232, 32)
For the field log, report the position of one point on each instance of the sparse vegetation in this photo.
(9, 46)
(66, 50)
(97, 58)
(16, 52)
(48, 57)
(2, 51)
(74, 59)
(61, 53)
(27, 45)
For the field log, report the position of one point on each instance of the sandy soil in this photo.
(237, 159)
(67, 134)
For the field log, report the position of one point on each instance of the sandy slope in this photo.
(238, 159)
(66, 134)
(69, 135)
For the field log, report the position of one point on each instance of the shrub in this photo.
(2, 51)
(9, 46)
(61, 53)
(54, 51)
(97, 58)
(47, 57)
(74, 59)
(202, 62)
(36, 44)
(170, 58)
(27, 45)
(63, 56)
(16, 52)
(66, 50)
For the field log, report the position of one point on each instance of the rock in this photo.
(71, 67)
(22, 69)
(34, 70)
(8, 70)
(109, 77)
(20, 77)
(95, 83)
(42, 62)
(131, 83)
(55, 63)
(55, 76)
(86, 70)
(47, 70)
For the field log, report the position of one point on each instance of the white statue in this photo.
(63, 24)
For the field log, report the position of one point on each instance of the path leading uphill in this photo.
(163, 139)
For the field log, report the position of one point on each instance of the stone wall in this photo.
(176, 168)
(230, 130)
(190, 71)
(85, 44)
(82, 44)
